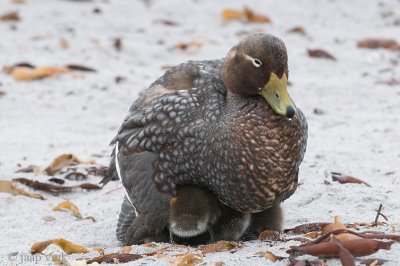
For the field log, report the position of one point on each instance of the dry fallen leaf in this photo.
(126, 249)
(269, 256)
(379, 43)
(297, 29)
(269, 235)
(27, 73)
(114, 258)
(101, 251)
(63, 43)
(67, 246)
(319, 53)
(218, 247)
(29, 169)
(306, 228)
(187, 259)
(67, 205)
(345, 179)
(60, 162)
(357, 248)
(54, 189)
(336, 225)
(10, 16)
(254, 17)
(11, 187)
(246, 14)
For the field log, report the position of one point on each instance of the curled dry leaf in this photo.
(187, 259)
(379, 43)
(270, 256)
(67, 205)
(11, 188)
(345, 179)
(29, 169)
(26, 73)
(67, 246)
(76, 176)
(126, 249)
(218, 246)
(246, 14)
(54, 189)
(319, 53)
(114, 258)
(306, 228)
(60, 162)
(269, 235)
(97, 170)
(357, 247)
(101, 251)
(10, 16)
(336, 225)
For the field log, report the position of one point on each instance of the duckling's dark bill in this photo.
(276, 94)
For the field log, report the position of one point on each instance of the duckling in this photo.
(226, 125)
(197, 217)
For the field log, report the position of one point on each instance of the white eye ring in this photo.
(256, 62)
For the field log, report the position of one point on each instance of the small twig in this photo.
(378, 213)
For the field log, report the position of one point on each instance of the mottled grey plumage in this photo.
(204, 124)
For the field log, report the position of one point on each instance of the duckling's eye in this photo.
(256, 62)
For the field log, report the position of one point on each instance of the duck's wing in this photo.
(172, 110)
(144, 211)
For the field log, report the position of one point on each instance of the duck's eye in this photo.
(256, 62)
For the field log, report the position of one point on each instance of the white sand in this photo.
(359, 133)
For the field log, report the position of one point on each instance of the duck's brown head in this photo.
(258, 65)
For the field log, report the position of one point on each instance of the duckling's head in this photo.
(258, 65)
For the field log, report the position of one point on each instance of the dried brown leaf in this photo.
(297, 29)
(67, 246)
(187, 259)
(10, 187)
(232, 14)
(2, 93)
(269, 235)
(219, 263)
(10, 16)
(76, 176)
(251, 16)
(336, 225)
(218, 246)
(357, 247)
(348, 179)
(270, 256)
(319, 53)
(27, 74)
(101, 251)
(378, 43)
(54, 189)
(114, 258)
(126, 249)
(67, 205)
(306, 228)
(61, 162)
